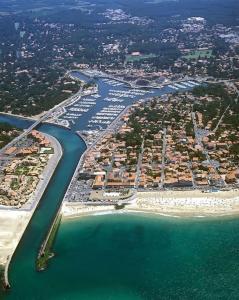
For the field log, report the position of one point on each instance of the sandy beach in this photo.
(188, 203)
(12, 226)
(168, 203)
(75, 210)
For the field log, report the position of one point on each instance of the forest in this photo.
(38, 44)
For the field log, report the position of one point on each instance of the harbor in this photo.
(98, 107)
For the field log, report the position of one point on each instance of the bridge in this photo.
(42, 119)
(21, 136)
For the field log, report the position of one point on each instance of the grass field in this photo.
(132, 58)
(198, 54)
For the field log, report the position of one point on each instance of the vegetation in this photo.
(119, 206)
(199, 54)
(234, 150)
(57, 37)
(189, 129)
(213, 110)
(135, 137)
(7, 133)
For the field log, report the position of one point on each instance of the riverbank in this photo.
(20, 116)
(169, 203)
(13, 222)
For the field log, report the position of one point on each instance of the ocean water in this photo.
(147, 257)
(132, 257)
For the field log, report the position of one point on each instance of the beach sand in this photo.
(168, 203)
(12, 227)
(74, 210)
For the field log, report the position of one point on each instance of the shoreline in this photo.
(17, 220)
(31, 118)
(138, 211)
(168, 204)
(129, 84)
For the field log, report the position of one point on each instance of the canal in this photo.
(22, 266)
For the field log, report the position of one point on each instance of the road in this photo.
(139, 166)
(163, 156)
(220, 120)
(198, 138)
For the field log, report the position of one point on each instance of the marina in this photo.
(194, 83)
(181, 86)
(188, 84)
(173, 87)
(112, 82)
(107, 115)
(94, 111)
(113, 100)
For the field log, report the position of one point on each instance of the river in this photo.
(121, 257)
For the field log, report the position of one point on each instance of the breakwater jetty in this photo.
(45, 252)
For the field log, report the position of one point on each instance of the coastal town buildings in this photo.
(189, 141)
(22, 172)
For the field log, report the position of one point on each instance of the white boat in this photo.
(193, 83)
(173, 87)
(188, 84)
(96, 96)
(180, 86)
(78, 109)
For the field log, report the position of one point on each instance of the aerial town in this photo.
(119, 132)
(153, 52)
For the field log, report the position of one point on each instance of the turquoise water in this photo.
(141, 257)
(122, 257)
